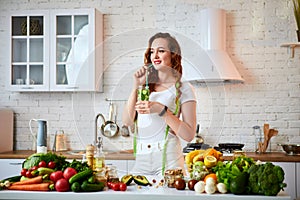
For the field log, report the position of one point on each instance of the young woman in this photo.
(169, 114)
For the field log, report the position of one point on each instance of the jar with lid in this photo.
(112, 174)
(171, 175)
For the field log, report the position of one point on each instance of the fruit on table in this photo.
(179, 184)
(191, 184)
(69, 172)
(141, 180)
(127, 179)
(210, 161)
(55, 176)
(199, 187)
(62, 185)
(212, 177)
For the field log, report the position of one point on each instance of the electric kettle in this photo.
(41, 136)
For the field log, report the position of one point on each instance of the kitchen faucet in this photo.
(96, 129)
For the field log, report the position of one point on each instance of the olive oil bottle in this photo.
(99, 157)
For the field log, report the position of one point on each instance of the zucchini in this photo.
(12, 179)
(127, 179)
(92, 187)
(141, 180)
(81, 176)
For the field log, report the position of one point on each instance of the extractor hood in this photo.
(213, 62)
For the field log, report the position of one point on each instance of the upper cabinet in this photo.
(56, 50)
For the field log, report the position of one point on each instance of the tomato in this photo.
(115, 186)
(23, 172)
(109, 185)
(69, 172)
(51, 164)
(34, 168)
(42, 164)
(62, 185)
(55, 176)
(28, 174)
(123, 187)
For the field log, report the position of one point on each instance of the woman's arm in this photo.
(129, 111)
(185, 128)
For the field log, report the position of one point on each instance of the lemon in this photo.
(210, 161)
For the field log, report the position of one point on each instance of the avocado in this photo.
(141, 180)
(127, 179)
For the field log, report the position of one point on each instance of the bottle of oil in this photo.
(99, 157)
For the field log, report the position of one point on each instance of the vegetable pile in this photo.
(244, 176)
(45, 172)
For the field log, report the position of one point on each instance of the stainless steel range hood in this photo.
(214, 64)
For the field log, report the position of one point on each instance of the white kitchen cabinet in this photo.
(298, 180)
(290, 177)
(60, 50)
(10, 167)
(29, 51)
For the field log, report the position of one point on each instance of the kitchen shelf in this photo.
(291, 47)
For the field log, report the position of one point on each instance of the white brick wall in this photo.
(255, 30)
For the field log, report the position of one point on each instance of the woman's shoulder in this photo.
(187, 86)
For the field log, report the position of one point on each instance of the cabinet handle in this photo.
(15, 163)
(26, 88)
(75, 87)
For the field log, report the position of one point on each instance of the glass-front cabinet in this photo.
(29, 63)
(60, 50)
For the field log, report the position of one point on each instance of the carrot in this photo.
(34, 180)
(31, 187)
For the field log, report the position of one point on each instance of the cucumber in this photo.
(45, 170)
(12, 179)
(76, 187)
(92, 187)
(81, 176)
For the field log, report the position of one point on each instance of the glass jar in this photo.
(171, 175)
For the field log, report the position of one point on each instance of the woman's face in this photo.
(160, 54)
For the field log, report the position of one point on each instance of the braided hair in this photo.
(175, 62)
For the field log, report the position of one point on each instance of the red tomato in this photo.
(42, 164)
(69, 172)
(51, 165)
(62, 185)
(115, 186)
(28, 174)
(34, 168)
(55, 176)
(109, 185)
(123, 187)
(23, 172)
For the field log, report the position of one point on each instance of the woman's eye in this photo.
(161, 51)
(151, 52)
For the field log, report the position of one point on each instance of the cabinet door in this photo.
(298, 181)
(74, 64)
(10, 167)
(289, 178)
(29, 47)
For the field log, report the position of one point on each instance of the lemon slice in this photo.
(210, 161)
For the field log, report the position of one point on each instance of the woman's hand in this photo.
(147, 107)
(140, 76)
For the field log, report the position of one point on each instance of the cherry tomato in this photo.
(123, 187)
(109, 185)
(115, 186)
(23, 172)
(34, 168)
(51, 165)
(42, 164)
(28, 174)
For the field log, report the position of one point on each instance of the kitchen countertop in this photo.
(127, 155)
(133, 193)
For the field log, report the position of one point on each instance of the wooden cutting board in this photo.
(6, 130)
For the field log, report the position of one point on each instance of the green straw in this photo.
(147, 75)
